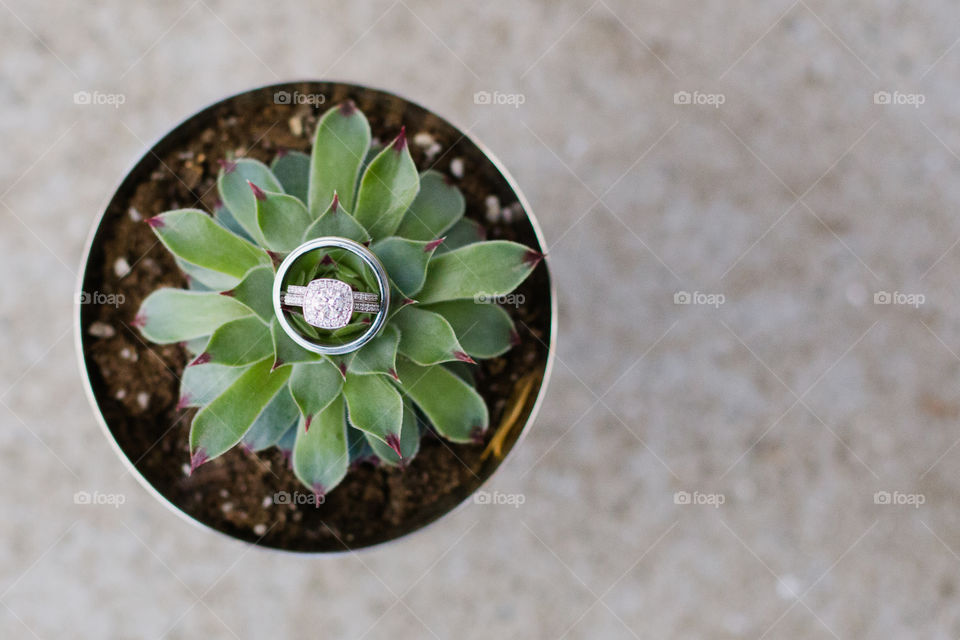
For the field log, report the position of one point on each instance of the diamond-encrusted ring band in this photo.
(328, 303)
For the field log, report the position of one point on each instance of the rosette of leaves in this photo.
(253, 386)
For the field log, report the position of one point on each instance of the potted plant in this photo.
(332, 317)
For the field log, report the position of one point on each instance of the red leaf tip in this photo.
(306, 423)
(282, 152)
(348, 108)
(203, 358)
(476, 434)
(198, 458)
(514, 338)
(463, 357)
(327, 260)
(433, 244)
(393, 441)
(183, 402)
(335, 205)
(532, 257)
(319, 494)
(400, 142)
(227, 166)
(393, 374)
(276, 364)
(257, 192)
(139, 321)
(343, 370)
(156, 222)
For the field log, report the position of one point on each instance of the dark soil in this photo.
(136, 384)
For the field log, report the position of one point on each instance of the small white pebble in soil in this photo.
(143, 399)
(260, 529)
(512, 213)
(493, 208)
(121, 267)
(129, 354)
(296, 126)
(432, 151)
(223, 493)
(185, 468)
(423, 139)
(120, 394)
(134, 214)
(267, 501)
(101, 330)
(226, 507)
(456, 168)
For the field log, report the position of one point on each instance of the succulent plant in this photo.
(254, 386)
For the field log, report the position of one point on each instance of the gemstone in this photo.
(328, 303)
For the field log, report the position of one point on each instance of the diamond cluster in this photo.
(328, 303)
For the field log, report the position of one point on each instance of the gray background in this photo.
(793, 403)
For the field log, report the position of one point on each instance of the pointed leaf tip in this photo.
(514, 338)
(335, 205)
(463, 357)
(276, 364)
(139, 321)
(476, 434)
(393, 374)
(393, 441)
(227, 166)
(319, 494)
(400, 142)
(348, 108)
(156, 222)
(532, 257)
(203, 358)
(183, 402)
(230, 294)
(430, 246)
(343, 370)
(306, 423)
(327, 260)
(198, 458)
(257, 192)
(282, 152)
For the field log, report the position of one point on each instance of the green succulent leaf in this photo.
(256, 292)
(405, 261)
(339, 147)
(377, 356)
(388, 187)
(223, 216)
(222, 423)
(282, 219)
(375, 407)
(360, 450)
(194, 237)
(463, 233)
(286, 351)
(336, 221)
(314, 385)
(177, 315)
(276, 420)
(200, 384)
(239, 342)
(409, 441)
(484, 330)
(452, 406)
(292, 169)
(437, 207)
(320, 456)
(233, 183)
(426, 337)
(288, 440)
(486, 269)
(201, 279)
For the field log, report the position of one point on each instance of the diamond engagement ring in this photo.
(328, 303)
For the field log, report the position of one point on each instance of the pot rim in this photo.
(128, 464)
